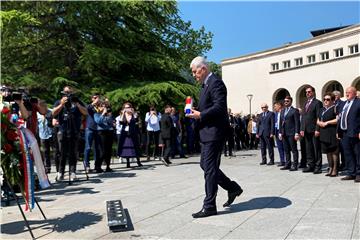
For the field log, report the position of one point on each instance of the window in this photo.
(286, 64)
(339, 52)
(275, 66)
(298, 61)
(324, 56)
(354, 48)
(311, 58)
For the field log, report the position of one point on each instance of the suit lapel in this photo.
(204, 90)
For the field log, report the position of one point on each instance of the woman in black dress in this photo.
(128, 144)
(327, 133)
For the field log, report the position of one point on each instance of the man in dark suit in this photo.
(289, 133)
(277, 110)
(309, 117)
(349, 131)
(339, 104)
(265, 131)
(212, 119)
(166, 132)
(229, 136)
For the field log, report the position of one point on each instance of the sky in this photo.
(242, 28)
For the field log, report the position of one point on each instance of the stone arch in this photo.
(280, 94)
(356, 83)
(332, 86)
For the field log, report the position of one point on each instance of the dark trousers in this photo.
(57, 136)
(351, 147)
(229, 142)
(106, 141)
(167, 151)
(266, 142)
(290, 146)
(303, 152)
(313, 151)
(152, 138)
(68, 152)
(91, 136)
(280, 146)
(210, 164)
(46, 144)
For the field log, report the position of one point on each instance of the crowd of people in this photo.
(328, 127)
(73, 130)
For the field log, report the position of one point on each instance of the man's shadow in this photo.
(257, 203)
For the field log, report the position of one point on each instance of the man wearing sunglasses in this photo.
(289, 133)
(310, 114)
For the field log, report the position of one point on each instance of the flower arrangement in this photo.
(10, 150)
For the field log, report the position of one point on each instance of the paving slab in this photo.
(159, 201)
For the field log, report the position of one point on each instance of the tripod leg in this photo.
(22, 212)
(42, 213)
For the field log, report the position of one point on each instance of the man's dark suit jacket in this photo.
(309, 117)
(353, 120)
(213, 107)
(290, 124)
(266, 124)
(166, 126)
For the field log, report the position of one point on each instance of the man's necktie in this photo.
(307, 105)
(344, 116)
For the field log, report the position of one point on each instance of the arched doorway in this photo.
(333, 86)
(356, 83)
(301, 96)
(280, 94)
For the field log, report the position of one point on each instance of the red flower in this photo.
(11, 135)
(7, 148)
(5, 110)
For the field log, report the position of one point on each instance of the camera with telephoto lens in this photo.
(71, 99)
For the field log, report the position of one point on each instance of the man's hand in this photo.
(302, 133)
(317, 133)
(194, 114)
(63, 100)
(257, 136)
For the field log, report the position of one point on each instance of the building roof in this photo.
(325, 36)
(318, 32)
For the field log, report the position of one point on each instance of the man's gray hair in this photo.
(199, 62)
(336, 92)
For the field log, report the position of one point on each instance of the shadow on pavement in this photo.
(70, 222)
(258, 203)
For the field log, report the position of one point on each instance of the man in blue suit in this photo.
(212, 119)
(289, 133)
(265, 131)
(349, 131)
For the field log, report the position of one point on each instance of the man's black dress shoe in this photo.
(348, 178)
(285, 168)
(204, 213)
(262, 163)
(293, 169)
(317, 171)
(232, 196)
(281, 164)
(308, 170)
(270, 163)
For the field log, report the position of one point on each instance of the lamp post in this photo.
(250, 96)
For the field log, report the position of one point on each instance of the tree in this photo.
(115, 48)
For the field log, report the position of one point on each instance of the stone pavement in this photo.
(160, 200)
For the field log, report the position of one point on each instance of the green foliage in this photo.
(144, 94)
(98, 46)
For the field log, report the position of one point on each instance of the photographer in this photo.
(68, 111)
(45, 134)
(152, 120)
(104, 120)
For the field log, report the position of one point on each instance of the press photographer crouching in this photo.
(68, 110)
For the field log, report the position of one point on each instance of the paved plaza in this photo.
(160, 200)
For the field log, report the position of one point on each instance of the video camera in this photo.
(71, 99)
(10, 95)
